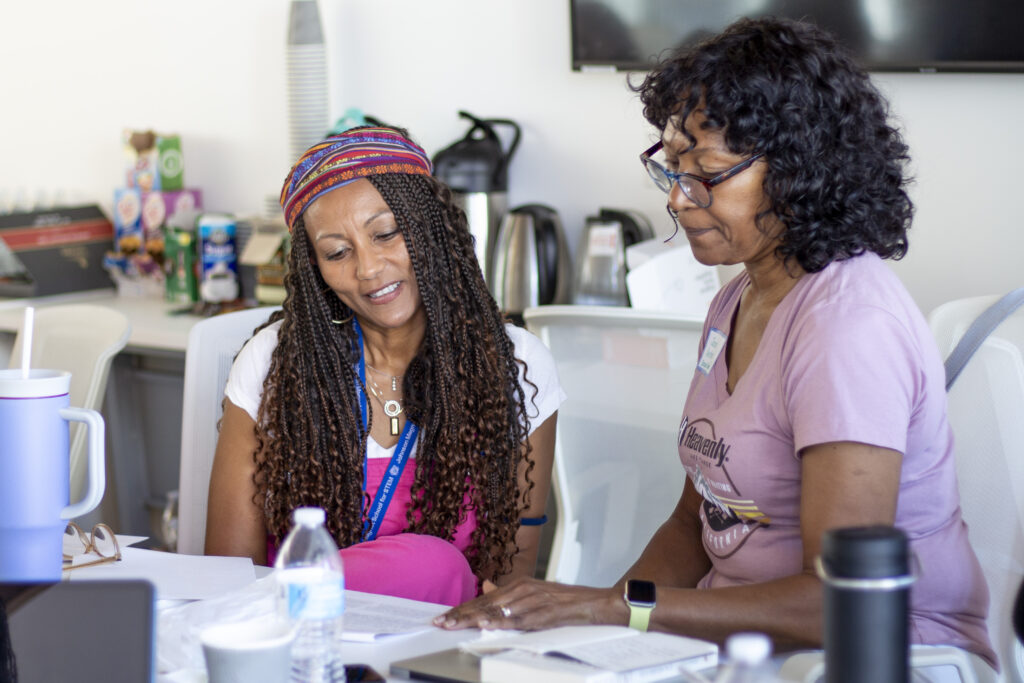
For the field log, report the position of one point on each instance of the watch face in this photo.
(641, 592)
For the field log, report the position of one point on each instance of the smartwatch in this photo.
(639, 597)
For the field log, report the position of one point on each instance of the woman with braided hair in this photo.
(388, 350)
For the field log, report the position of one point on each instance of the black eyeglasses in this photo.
(696, 189)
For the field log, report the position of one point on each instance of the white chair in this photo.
(212, 346)
(83, 340)
(617, 474)
(986, 411)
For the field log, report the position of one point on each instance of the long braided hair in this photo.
(461, 389)
(8, 663)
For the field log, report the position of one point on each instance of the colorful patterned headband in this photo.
(340, 159)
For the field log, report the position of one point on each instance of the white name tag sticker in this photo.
(713, 347)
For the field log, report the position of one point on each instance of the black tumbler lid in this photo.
(865, 552)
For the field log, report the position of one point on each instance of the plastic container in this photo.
(311, 595)
(748, 660)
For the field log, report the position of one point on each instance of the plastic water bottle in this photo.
(311, 594)
(748, 659)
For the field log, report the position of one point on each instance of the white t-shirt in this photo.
(245, 382)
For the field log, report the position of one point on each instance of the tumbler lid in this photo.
(39, 383)
(866, 552)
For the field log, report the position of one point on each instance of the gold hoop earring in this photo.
(346, 320)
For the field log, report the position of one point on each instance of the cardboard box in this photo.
(153, 162)
(139, 217)
(267, 252)
(55, 251)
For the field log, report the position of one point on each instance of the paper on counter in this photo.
(369, 617)
(176, 577)
(668, 278)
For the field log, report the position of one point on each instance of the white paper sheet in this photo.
(369, 617)
(669, 278)
(176, 577)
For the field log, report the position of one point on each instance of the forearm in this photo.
(787, 609)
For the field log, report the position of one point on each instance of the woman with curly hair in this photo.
(818, 400)
(388, 350)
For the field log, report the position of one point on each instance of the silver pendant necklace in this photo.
(392, 407)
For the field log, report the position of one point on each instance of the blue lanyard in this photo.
(399, 459)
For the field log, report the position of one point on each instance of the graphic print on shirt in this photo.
(728, 518)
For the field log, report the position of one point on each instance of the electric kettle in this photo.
(531, 264)
(476, 170)
(601, 268)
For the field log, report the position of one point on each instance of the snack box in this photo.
(139, 217)
(153, 162)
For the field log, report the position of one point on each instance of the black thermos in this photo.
(866, 577)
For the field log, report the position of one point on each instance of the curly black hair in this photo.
(461, 389)
(836, 173)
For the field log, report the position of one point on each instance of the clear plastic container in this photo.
(311, 594)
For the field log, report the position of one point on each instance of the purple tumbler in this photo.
(35, 472)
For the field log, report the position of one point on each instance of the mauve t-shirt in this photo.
(846, 356)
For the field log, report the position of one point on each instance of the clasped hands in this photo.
(531, 604)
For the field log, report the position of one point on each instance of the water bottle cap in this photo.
(867, 552)
(309, 516)
(748, 648)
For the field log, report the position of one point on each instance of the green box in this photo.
(170, 163)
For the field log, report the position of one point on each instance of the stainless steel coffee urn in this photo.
(476, 169)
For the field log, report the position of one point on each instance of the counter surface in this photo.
(156, 325)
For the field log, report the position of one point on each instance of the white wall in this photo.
(75, 73)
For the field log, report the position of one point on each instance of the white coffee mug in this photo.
(255, 651)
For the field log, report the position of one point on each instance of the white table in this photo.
(378, 655)
(154, 328)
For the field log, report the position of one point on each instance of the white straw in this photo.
(26, 346)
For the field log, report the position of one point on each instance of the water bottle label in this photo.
(321, 600)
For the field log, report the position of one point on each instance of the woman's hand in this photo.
(530, 604)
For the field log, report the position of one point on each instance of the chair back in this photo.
(617, 474)
(212, 346)
(986, 412)
(83, 340)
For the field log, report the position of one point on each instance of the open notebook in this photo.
(81, 632)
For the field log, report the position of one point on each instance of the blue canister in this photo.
(34, 472)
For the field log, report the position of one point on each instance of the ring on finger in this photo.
(505, 611)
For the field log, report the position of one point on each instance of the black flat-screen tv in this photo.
(885, 35)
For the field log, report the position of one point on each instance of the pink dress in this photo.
(404, 564)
